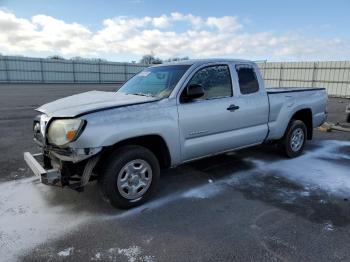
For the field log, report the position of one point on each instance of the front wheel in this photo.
(130, 176)
(294, 139)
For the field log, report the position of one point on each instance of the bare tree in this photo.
(150, 60)
(174, 59)
(56, 57)
(83, 59)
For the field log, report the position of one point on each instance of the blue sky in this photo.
(306, 30)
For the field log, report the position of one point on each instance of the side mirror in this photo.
(194, 91)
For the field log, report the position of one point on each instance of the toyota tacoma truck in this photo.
(165, 116)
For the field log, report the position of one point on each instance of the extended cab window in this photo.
(248, 82)
(215, 80)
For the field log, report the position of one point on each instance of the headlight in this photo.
(63, 131)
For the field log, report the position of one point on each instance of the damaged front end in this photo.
(61, 173)
(60, 165)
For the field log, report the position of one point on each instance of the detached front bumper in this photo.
(47, 176)
(73, 178)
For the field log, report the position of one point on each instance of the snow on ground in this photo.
(27, 218)
(66, 252)
(131, 254)
(325, 167)
(203, 192)
(134, 253)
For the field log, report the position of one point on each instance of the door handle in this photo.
(232, 108)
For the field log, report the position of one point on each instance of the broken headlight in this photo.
(63, 131)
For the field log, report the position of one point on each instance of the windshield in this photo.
(155, 81)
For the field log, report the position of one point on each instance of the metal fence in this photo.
(333, 75)
(41, 70)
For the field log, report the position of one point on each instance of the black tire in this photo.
(286, 142)
(114, 164)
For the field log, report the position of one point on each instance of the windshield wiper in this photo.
(142, 94)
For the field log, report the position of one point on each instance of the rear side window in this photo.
(248, 82)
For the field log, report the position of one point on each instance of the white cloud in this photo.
(161, 22)
(176, 34)
(195, 21)
(224, 24)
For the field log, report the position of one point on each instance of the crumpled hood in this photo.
(87, 102)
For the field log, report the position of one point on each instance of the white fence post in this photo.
(74, 77)
(7, 68)
(313, 83)
(99, 71)
(42, 70)
(281, 75)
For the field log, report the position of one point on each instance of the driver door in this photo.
(207, 124)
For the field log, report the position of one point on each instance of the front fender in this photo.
(109, 127)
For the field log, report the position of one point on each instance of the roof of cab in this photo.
(204, 61)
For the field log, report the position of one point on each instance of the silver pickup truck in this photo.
(165, 116)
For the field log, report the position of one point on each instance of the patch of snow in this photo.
(132, 253)
(66, 252)
(96, 257)
(147, 259)
(305, 193)
(328, 227)
(318, 168)
(28, 219)
(312, 168)
(202, 192)
(153, 204)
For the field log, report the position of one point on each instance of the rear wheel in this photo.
(130, 176)
(294, 139)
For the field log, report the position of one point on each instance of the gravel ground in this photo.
(252, 205)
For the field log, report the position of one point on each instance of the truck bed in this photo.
(285, 101)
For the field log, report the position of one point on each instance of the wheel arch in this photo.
(304, 115)
(153, 142)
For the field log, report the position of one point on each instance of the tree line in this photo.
(146, 59)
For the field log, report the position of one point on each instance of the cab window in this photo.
(215, 80)
(248, 82)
